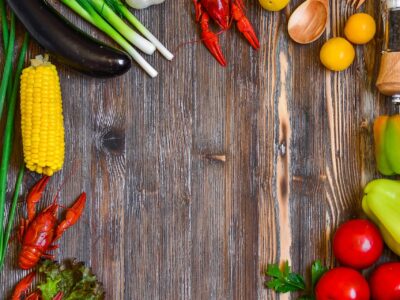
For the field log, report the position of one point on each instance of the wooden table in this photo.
(199, 178)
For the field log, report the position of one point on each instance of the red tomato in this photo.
(342, 284)
(357, 244)
(385, 282)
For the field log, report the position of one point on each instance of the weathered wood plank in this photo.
(158, 200)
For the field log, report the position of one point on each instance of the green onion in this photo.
(4, 25)
(108, 14)
(87, 12)
(11, 215)
(3, 88)
(6, 37)
(8, 134)
(7, 67)
(122, 10)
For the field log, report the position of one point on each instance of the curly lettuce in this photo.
(72, 279)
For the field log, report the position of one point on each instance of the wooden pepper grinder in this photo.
(388, 81)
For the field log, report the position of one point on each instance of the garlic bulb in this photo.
(139, 4)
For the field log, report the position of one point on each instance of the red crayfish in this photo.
(24, 284)
(222, 12)
(39, 232)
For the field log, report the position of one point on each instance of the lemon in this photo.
(274, 5)
(360, 28)
(337, 54)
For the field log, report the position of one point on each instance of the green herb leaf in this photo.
(273, 270)
(49, 288)
(317, 270)
(296, 280)
(73, 279)
(284, 280)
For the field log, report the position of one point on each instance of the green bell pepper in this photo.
(387, 144)
(381, 203)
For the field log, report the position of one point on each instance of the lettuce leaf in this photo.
(73, 279)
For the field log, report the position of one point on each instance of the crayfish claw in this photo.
(23, 286)
(36, 191)
(244, 26)
(210, 40)
(34, 196)
(73, 215)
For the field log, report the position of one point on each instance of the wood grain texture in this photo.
(199, 178)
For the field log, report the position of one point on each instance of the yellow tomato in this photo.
(274, 5)
(360, 28)
(337, 54)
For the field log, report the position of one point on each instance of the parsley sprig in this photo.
(317, 270)
(283, 280)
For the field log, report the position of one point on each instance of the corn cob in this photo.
(42, 121)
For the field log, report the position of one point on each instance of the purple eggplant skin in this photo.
(67, 43)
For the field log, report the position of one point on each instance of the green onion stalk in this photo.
(4, 25)
(7, 146)
(122, 10)
(86, 11)
(3, 89)
(134, 38)
(6, 33)
(7, 66)
(11, 215)
(9, 127)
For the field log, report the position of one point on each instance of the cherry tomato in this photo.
(342, 284)
(385, 282)
(357, 244)
(360, 28)
(337, 54)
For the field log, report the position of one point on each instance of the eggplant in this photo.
(67, 43)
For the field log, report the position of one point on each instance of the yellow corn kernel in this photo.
(42, 122)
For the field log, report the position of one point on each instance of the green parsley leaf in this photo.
(283, 281)
(317, 270)
(273, 270)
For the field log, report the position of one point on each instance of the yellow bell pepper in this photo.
(381, 203)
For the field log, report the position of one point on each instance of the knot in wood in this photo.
(114, 141)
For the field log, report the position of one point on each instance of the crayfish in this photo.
(222, 12)
(39, 232)
(23, 286)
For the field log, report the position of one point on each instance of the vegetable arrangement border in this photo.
(357, 244)
(75, 48)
